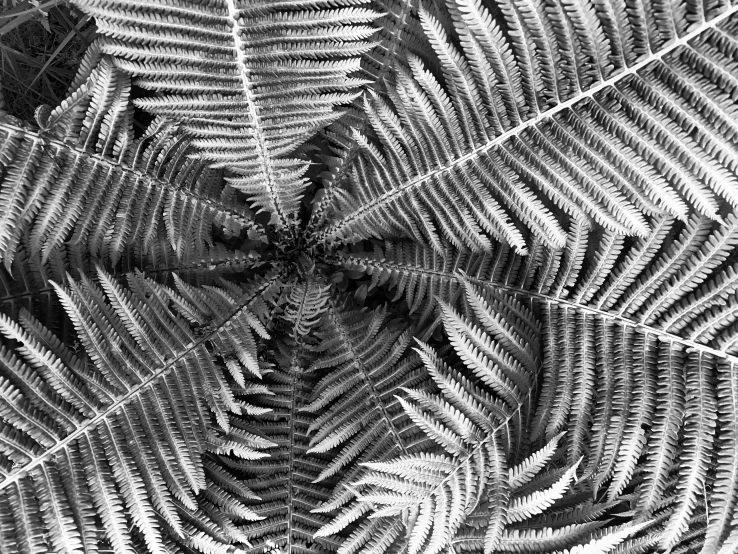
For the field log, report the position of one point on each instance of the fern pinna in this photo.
(375, 276)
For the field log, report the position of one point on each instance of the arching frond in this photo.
(81, 181)
(549, 113)
(121, 434)
(286, 481)
(283, 70)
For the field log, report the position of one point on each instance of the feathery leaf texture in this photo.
(360, 363)
(285, 482)
(475, 426)
(305, 304)
(421, 275)
(502, 319)
(121, 434)
(518, 134)
(82, 180)
(279, 69)
(624, 382)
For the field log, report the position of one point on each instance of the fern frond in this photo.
(353, 401)
(723, 502)
(609, 541)
(541, 194)
(119, 429)
(284, 484)
(667, 421)
(535, 503)
(399, 34)
(611, 376)
(421, 275)
(615, 148)
(699, 426)
(305, 304)
(83, 181)
(283, 70)
(435, 493)
(528, 468)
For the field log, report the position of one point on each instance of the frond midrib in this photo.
(359, 363)
(21, 472)
(103, 160)
(197, 263)
(646, 329)
(258, 132)
(293, 401)
(364, 211)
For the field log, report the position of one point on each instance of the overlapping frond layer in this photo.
(305, 305)
(586, 538)
(361, 362)
(251, 80)
(31, 289)
(624, 396)
(652, 379)
(574, 121)
(286, 481)
(399, 34)
(618, 393)
(599, 384)
(29, 284)
(467, 495)
(475, 415)
(422, 276)
(82, 181)
(638, 347)
(635, 345)
(117, 440)
(680, 282)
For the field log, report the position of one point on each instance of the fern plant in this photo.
(369, 276)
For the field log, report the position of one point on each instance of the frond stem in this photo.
(248, 95)
(130, 395)
(111, 164)
(357, 360)
(389, 196)
(646, 329)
